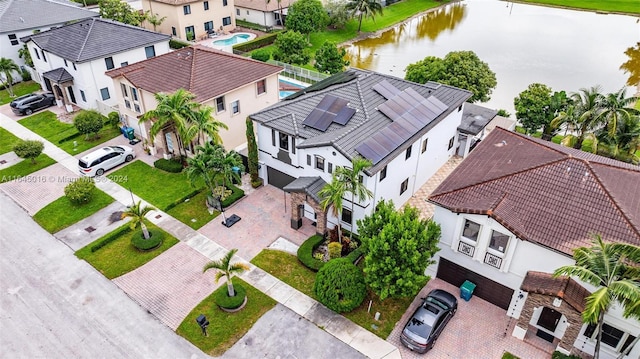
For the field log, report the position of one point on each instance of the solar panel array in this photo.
(330, 109)
(410, 113)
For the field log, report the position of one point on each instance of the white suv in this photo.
(95, 163)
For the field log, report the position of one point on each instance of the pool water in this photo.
(235, 39)
(284, 94)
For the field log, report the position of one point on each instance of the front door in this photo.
(72, 97)
(549, 319)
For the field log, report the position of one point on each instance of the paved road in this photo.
(53, 305)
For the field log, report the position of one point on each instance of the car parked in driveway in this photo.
(28, 104)
(104, 159)
(428, 321)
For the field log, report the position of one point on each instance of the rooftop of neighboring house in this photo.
(17, 15)
(207, 73)
(263, 5)
(176, 2)
(475, 118)
(545, 193)
(364, 113)
(94, 38)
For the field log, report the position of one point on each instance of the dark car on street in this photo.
(427, 322)
(28, 104)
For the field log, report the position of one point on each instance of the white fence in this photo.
(299, 73)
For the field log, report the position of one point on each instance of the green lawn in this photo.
(20, 170)
(288, 269)
(47, 125)
(19, 89)
(7, 141)
(120, 257)
(225, 329)
(193, 209)
(61, 213)
(621, 6)
(155, 186)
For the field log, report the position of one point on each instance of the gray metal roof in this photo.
(58, 76)
(475, 118)
(287, 116)
(310, 185)
(94, 38)
(17, 15)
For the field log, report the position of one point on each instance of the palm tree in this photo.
(227, 165)
(24, 54)
(154, 19)
(226, 269)
(587, 107)
(615, 108)
(203, 124)
(177, 109)
(137, 214)
(331, 195)
(198, 168)
(352, 183)
(7, 67)
(625, 142)
(365, 8)
(614, 269)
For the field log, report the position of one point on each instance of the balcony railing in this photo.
(466, 248)
(493, 260)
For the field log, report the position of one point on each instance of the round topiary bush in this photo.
(153, 242)
(80, 191)
(223, 300)
(89, 122)
(29, 149)
(340, 285)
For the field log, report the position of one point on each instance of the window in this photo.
(74, 65)
(173, 31)
(150, 51)
(308, 160)
(235, 107)
(208, 26)
(136, 107)
(190, 32)
(14, 39)
(127, 104)
(460, 108)
(470, 230)
(451, 142)
(238, 12)
(424, 145)
(37, 53)
(65, 63)
(320, 163)
(123, 64)
(186, 9)
(330, 167)
(224, 3)
(404, 186)
(262, 86)
(273, 137)
(284, 141)
(44, 57)
(206, 5)
(408, 153)
(383, 173)
(226, 20)
(84, 97)
(123, 87)
(134, 93)
(104, 92)
(498, 241)
(220, 104)
(293, 145)
(611, 336)
(109, 62)
(347, 216)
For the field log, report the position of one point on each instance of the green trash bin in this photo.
(129, 133)
(466, 290)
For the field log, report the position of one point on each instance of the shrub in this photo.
(26, 75)
(113, 118)
(171, 165)
(335, 250)
(28, 149)
(261, 55)
(223, 300)
(111, 237)
(257, 183)
(355, 255)
(305, 253)
(558, 355)
(236, 194)
(340, 285)
(138, 241)
(256, 43)
(177, 44)
(180, 200)
(80, 191)
(89, 122)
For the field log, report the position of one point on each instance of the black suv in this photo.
(28, 104)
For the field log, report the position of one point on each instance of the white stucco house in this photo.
(513, 212)
(262, 12)
(71, 60)
(407, 130)
(20, 18)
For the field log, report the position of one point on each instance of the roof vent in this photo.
(21, 19)
(501, 143)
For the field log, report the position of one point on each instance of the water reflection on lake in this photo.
(522, 44)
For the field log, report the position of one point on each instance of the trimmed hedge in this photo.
(340, 285)
(256, 43)
(111, 237)
(223, 300)
(168, 165)
(177, 44)
(70, 137)
(305, 253)
(178, 201)
(355, 254)
(153, 242)
(236, 194)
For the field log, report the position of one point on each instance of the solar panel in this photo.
(344, 115)
(386, 89)
(330, 109)
(326, 102)
(337, 105)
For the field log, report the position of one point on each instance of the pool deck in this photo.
(208, 42)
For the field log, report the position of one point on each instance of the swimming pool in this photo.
(284, 94)
(235, 39)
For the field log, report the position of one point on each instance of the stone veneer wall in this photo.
(299, 198)
(574, 317)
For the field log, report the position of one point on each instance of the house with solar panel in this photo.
(513, 212)
(407, 130)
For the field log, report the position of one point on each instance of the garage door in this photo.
(486, 289)
(277, 178)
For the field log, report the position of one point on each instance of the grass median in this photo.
(21, 170)
(62, 213)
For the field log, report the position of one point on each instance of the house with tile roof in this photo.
(19, 18)
(407, 130)
(262, 12)
(514, 211)
(192, 19)
(71, 60)
(234, 86)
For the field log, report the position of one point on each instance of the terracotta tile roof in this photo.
(205, 72)
(562, 287)
(545, 193)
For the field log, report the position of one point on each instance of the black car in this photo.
(428, 321)
(28, 104)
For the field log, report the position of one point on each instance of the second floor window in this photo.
(383, 173)
(404, 186)
(220, 104)
(150, 51)
(224, 3)
(451, 141)
(498, 241)
(262, 86)
(235, 107)
(320, 163)
(104, 92)
(206, 5)
(109, 63)
(186, 9)
(123, 87)
(408, 153)
(14, 39)
(134, 93)
(284, 141)
(424, 145)
(470, 230)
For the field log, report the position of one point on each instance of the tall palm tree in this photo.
(331, 195)
(614, 268)
(154, 19)
(199, 168)
(623, 144)
(203, 124)
(225, 269)
(352, 183)
(177, 109)
(615, 108)
(366, 8)
(7, 67)
(587, 103)
(137, 214)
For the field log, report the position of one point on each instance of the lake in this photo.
(564, 49)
